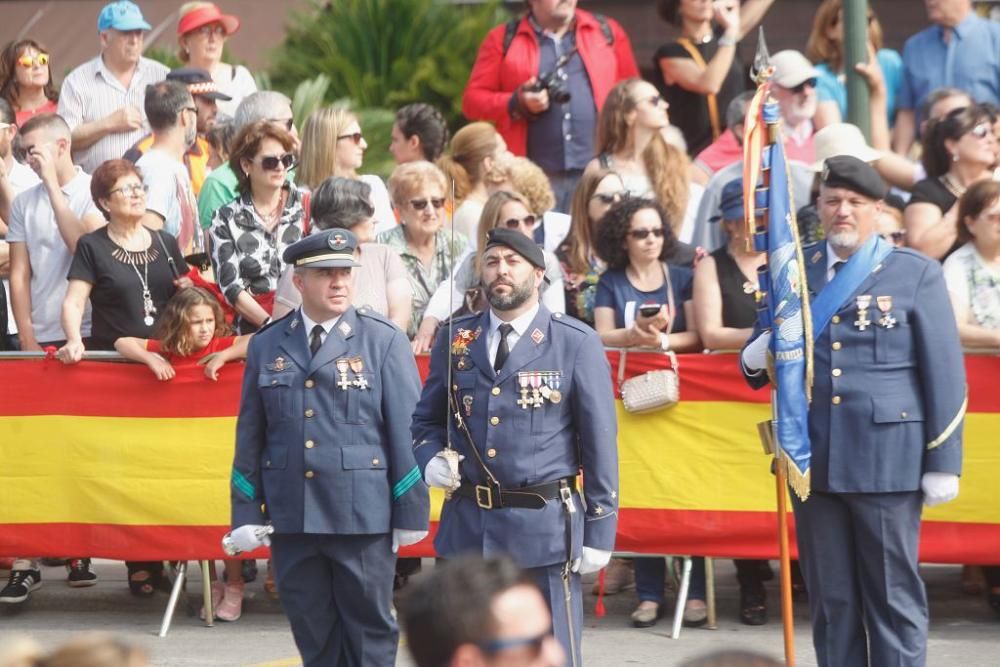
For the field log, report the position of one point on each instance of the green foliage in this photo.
(377, 126)
(166, 55)
(386, 53)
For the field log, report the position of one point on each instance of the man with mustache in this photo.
(524, 399)
(324, 460)
(885, 425)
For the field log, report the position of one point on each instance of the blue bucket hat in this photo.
(123, 16)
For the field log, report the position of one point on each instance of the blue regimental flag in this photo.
(788, 311)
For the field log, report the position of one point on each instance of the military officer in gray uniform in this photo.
(324, 456)
(885, 425)
(531, 406)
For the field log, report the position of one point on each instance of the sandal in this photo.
(141, 582)
(753, 607)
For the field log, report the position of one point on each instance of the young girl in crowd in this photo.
(193, 331)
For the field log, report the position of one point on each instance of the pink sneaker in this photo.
(218, 589)
(231, 607)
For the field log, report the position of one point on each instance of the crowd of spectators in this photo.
(119, 187)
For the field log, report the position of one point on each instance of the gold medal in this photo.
(358, 365)
(342, 366)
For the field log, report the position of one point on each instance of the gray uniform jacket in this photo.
(315, 457)
(525, 446)
(888, 402)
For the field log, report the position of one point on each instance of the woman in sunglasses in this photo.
(202, 31)
(26, 80)
(429, 252)
(333, 145)
(250, 233)
(643, 301)
(959, 150)
(464, 291)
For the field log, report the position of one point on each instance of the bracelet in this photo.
(726, 40)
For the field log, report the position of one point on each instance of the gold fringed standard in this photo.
(801, 483)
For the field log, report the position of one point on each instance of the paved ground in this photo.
(963, 631)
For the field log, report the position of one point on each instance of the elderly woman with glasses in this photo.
(464, 291)
(202, 31)
(26, 80)
(333, 145)
(250, 233)
(959, 150)
(428, 250)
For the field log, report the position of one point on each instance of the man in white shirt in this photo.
(15, 178)
(102, 98)
(170, 201)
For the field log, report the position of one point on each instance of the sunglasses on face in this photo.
(210, 29)
(811, 83)
(356, 137)
(609, 198)
(981, 131)
(421, 204)
(274, 162)
(132, 190)
(527, 221)
(640, 234)
(287, 123)
(28, 62)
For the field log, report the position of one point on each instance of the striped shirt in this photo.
(91, 92)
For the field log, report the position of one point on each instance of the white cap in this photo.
(792, 68)
(842, 139)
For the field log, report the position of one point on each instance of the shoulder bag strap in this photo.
(713, 102)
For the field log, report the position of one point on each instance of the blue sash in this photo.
(847, 281)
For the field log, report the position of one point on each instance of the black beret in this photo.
(850, 173)
(518, 242)
(330, 249)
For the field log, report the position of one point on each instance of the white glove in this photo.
(939, 487)
(755, 354)
(591, 560)
(438, 473)
(404, 538)
(247, 538)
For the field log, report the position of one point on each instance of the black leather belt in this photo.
(491, 496)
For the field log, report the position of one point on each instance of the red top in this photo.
(494, 77)
(216, 345)
(22, 117)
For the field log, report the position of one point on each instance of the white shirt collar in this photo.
(520, 323)
(309, 323)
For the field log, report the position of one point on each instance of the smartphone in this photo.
(649, 309)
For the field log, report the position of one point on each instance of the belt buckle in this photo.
(484, 491)
(566, 496)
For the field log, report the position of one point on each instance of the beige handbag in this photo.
(653, 390)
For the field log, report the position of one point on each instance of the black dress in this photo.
(738, 308)
(116, 277)
(934, 191)
(689, 110)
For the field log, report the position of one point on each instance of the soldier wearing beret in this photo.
(324, 456)
(524, 397)
(885, 425)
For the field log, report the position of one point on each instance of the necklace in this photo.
(147, 299)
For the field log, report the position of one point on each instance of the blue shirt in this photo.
(969, 61)
(615, 290)
(562, 138)
(832, 86)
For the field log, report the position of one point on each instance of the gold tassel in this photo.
(800, 482)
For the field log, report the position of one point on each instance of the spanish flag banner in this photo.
(101, 459)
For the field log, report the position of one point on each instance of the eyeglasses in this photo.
(527, 221)
(28, 62)
(211, 29)
(981, 131)
(640, 234)
(288, 123)
(654, 101)
(811, 83)
(612, 197)
(131, 190)
(421, 204)
(356, 137)
(497, 645)
(275, 162)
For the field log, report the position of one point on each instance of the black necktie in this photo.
(504, 350)
(316, 339)
(838, 265)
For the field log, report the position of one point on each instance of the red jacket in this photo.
(495, 77)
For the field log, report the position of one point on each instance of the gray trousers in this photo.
(549, 580)
(337, 594)
(867, 601)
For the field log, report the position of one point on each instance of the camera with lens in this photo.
(553, 82)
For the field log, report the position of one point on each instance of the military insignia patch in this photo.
(537, 336)
(277, 365)
(815, 257)
(464, 337)
(345, 328)
(337, 242)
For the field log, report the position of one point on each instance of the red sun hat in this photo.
(205, 15)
